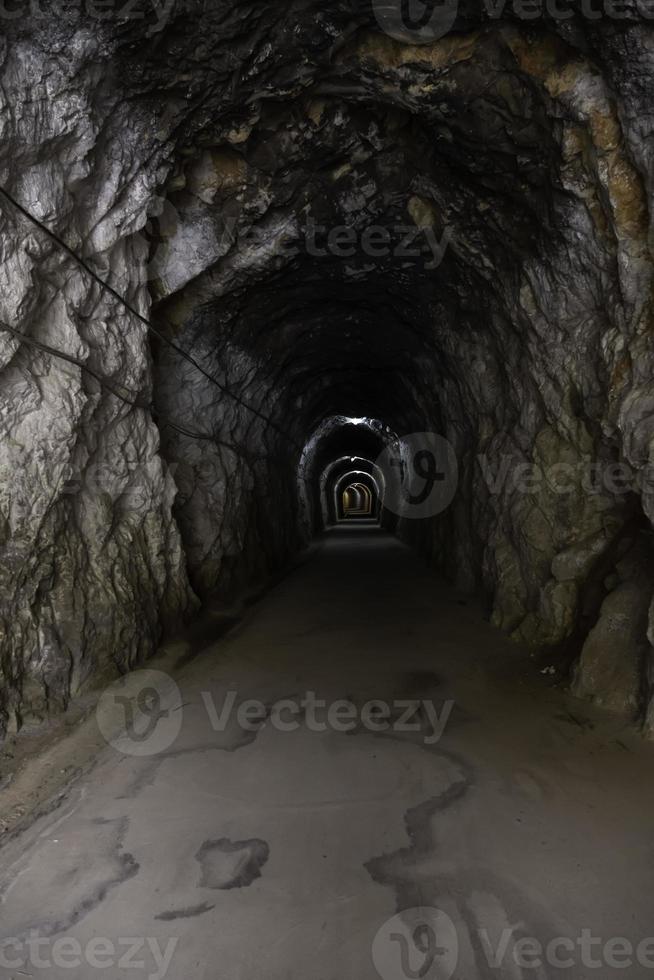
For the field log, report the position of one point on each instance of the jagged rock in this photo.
(615, 663)
(616, 652)
(448, 237)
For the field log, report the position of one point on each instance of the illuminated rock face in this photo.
(448, 237)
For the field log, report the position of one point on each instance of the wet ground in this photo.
(362, 744)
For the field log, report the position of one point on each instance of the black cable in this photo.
(157, 333)
(134, 402)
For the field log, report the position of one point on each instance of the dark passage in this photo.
(326, 489)
(494, 799)
(250, 255)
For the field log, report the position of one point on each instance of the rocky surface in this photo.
(92, 562)
(613, 669)
(449, 236)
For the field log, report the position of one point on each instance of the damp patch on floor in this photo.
(187, 913)
(231, 864)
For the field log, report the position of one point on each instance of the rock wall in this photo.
(553, 424)
(102, 524)
(450, 237)
(92, 565)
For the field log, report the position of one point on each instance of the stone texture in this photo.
(614, 656)
(201, 166)
(92, 562)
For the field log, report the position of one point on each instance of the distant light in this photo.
(352, 421)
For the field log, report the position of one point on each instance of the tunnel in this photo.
(358, 500)
(326, 498)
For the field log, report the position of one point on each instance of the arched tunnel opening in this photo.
(357, 500)
(326, 499)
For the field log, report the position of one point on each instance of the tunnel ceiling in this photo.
(505, 143)
(197, 162)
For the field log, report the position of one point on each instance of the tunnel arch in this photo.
(339, 441)
(354, 477)
(342, 239)
(333, 474)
